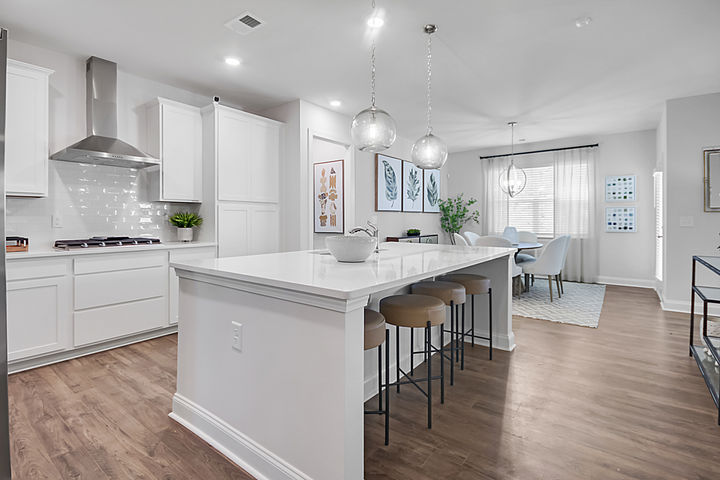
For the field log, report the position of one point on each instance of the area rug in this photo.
(580, 304)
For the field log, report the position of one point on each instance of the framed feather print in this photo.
(329, 192)
(431, 191)
(388, 183)
(412, 187)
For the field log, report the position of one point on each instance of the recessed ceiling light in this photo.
(581, 22)
(335, 103)
(232, 61)
(375, 21)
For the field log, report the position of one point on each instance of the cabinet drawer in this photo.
(41, 268)
(105, 323)
(192, 254)
(111, 262)
(107, 288)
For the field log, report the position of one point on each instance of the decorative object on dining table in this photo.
(16, 244)
(711, 179)
(620, 220)
(329, 196)
(412, 187)
(350, 248)
(429, 151)
(413, 232)
(185, 222)
(388, 182)
(512, 180)
(455, 213)
(373, 129)
(431, 191)
(620, 188)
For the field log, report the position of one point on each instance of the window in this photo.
(659, 227)
(533, 209)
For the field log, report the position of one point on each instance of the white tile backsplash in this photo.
(90, 200)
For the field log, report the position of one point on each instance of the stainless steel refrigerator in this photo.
(4, 424)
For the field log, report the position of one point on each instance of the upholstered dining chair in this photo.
(511, 234)
(460, 240)
(550, 262)
(528, 255)
(471, 237)
(493, 241)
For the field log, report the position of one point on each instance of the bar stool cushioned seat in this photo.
(474, 284)
(446, 291)
(413, 311)
(374, 329)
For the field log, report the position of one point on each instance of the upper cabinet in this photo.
(175, 137)
(26, 130)
(247, 156)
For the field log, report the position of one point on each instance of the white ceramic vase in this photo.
(185, 234)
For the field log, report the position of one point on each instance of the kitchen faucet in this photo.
(372, 231)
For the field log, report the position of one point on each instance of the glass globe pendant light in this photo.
(429, 151)
(373, 129)
(513, 179)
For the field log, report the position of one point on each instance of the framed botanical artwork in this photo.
(412, 187)
(431, 191)
(329, 193)
(388, 183)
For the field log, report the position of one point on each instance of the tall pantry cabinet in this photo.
(242, 157)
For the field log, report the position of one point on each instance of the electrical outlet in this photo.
(57, 221)
(237, 336)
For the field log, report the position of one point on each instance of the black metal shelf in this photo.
(706, 364)
(707, 294)
(713, 263)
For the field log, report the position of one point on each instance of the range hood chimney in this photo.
(102, 147)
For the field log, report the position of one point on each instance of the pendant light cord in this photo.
(372, 62)
(429, 84)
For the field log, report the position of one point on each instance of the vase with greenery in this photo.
(185, 221)
(455, 213)
(413, 232)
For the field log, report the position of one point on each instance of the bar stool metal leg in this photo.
(387, 387)
(412, 351)
(442, 366)
(380, 391)
(429, 374)
(397, 357)
(462, 346)
(472, 318)
(490, 332)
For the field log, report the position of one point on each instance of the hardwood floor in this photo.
(623, 401)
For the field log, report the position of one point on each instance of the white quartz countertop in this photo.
(51, 252)
(317, 272)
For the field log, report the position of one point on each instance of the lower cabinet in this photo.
(247, 229)
(39, 315)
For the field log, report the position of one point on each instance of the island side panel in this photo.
(499, 272)
(290, 404)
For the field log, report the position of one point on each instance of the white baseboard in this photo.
(627, 282)
(241, 450)
(684, 307)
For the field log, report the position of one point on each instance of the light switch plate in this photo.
(687, 221)
(236, 336)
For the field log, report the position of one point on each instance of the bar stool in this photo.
(451, 294)
(375, 335)
(417, 311)
(474, 285)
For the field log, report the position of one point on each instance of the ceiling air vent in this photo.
(244, 23)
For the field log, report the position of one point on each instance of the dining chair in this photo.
(460, 240)
(511, 234)
(471, 237)
(493, 241)
(550, 262)
(525, 236)
(565, 254)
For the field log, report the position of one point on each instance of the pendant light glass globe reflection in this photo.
(373, 130)
(512, 179)
(429, 151)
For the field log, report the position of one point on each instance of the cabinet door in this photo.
(264, 167)
(181, 153)
(26, 130)
(233, 229)
(38, 317)
(234, 140)
(264, 229)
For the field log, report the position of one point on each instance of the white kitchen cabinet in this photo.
(247, 229)
(26, 130)
(187, 254)
(264, 229)
(265, 163)
(174, 132)
(39, 309)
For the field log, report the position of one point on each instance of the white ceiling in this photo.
(494, 60)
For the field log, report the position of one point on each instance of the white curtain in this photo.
(495, 206)
(575, 208)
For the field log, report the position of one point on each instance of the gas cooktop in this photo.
(104, 242)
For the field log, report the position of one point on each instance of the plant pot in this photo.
(413, 234)
(185, 234)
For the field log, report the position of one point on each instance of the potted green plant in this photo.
(413, 232)
(185, 221)
(456, 212)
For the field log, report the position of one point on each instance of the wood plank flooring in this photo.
(623, 401)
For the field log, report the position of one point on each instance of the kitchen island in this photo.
(270, 349)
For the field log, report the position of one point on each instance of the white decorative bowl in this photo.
(349, 248)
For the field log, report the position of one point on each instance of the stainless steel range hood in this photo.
(102, 147)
